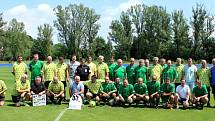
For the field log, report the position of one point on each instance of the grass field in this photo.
(100, 113)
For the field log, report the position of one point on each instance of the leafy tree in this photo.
(77, 26)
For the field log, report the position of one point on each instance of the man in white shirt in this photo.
(189, 73)
(182, 94)
(73, 66)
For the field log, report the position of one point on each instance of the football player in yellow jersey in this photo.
(3, 88)
(49, 71)
(63, 73)
(19, 69)
(92, 66)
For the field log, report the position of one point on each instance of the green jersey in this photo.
(126, 91)
(111, 70)
(179, 69)
(56, 87)
(167, 88)
(130, 70)
(117, 85)
(120, 72)
(141, 89)
(153, 87)
(200, 91)
(169, 73)
(107, 87)
(36, 69)
(141, 72)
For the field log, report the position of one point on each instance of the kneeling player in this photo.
(182, 94)
(167, 93)
(200, 95)
(56, 90)
(93, 86)
(107, 91)
(3, 88)
(126, 92)
(21, 91)
(153, 87)
(141, 92)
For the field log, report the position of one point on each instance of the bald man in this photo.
(56, 90)
(49, 71)
(119, 70)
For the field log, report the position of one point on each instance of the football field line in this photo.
(60, 115)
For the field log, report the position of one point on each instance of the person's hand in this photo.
(151, 96)
(40, 94)
(55, 95)
(198, 98)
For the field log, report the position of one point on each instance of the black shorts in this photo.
(15, 99)
(213, 89)
(2, 97)
(64, 84)
(46, 83)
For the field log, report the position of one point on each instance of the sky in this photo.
(38, 12)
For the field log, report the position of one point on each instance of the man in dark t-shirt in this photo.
(83, 70)
(38, 87)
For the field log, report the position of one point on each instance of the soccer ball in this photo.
(92, 104)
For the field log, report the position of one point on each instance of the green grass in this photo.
(100, 113)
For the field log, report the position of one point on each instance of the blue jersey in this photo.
(213, 76)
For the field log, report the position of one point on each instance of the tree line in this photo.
(140, 32)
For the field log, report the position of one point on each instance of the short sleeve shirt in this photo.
(49, 70)
(56, 87)
(61, 71)
(183, 91)
(19, 69)
(102, 69)
(76, 88)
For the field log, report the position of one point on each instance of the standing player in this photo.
(141, 72)
(212, 79)
(102, 68)
(72, 68)
(19, 69)
(63, 73)
(49, 71)
(130, 70)
(203, 74)
(111, 66)
(92, 66)
(35, 66)
(189, 73)
(83, 70)
(163, 63)
(169, 72)
(119, 70)
(156, 69)
(179, 68)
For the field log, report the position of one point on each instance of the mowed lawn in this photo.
(99, 113)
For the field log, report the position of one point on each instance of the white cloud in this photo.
(32, 17)
(113, 13)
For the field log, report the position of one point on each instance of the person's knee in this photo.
(130, 100)
(146, 98)
(97, 98)
(88, 94)
(114, 94)
(134, 97)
